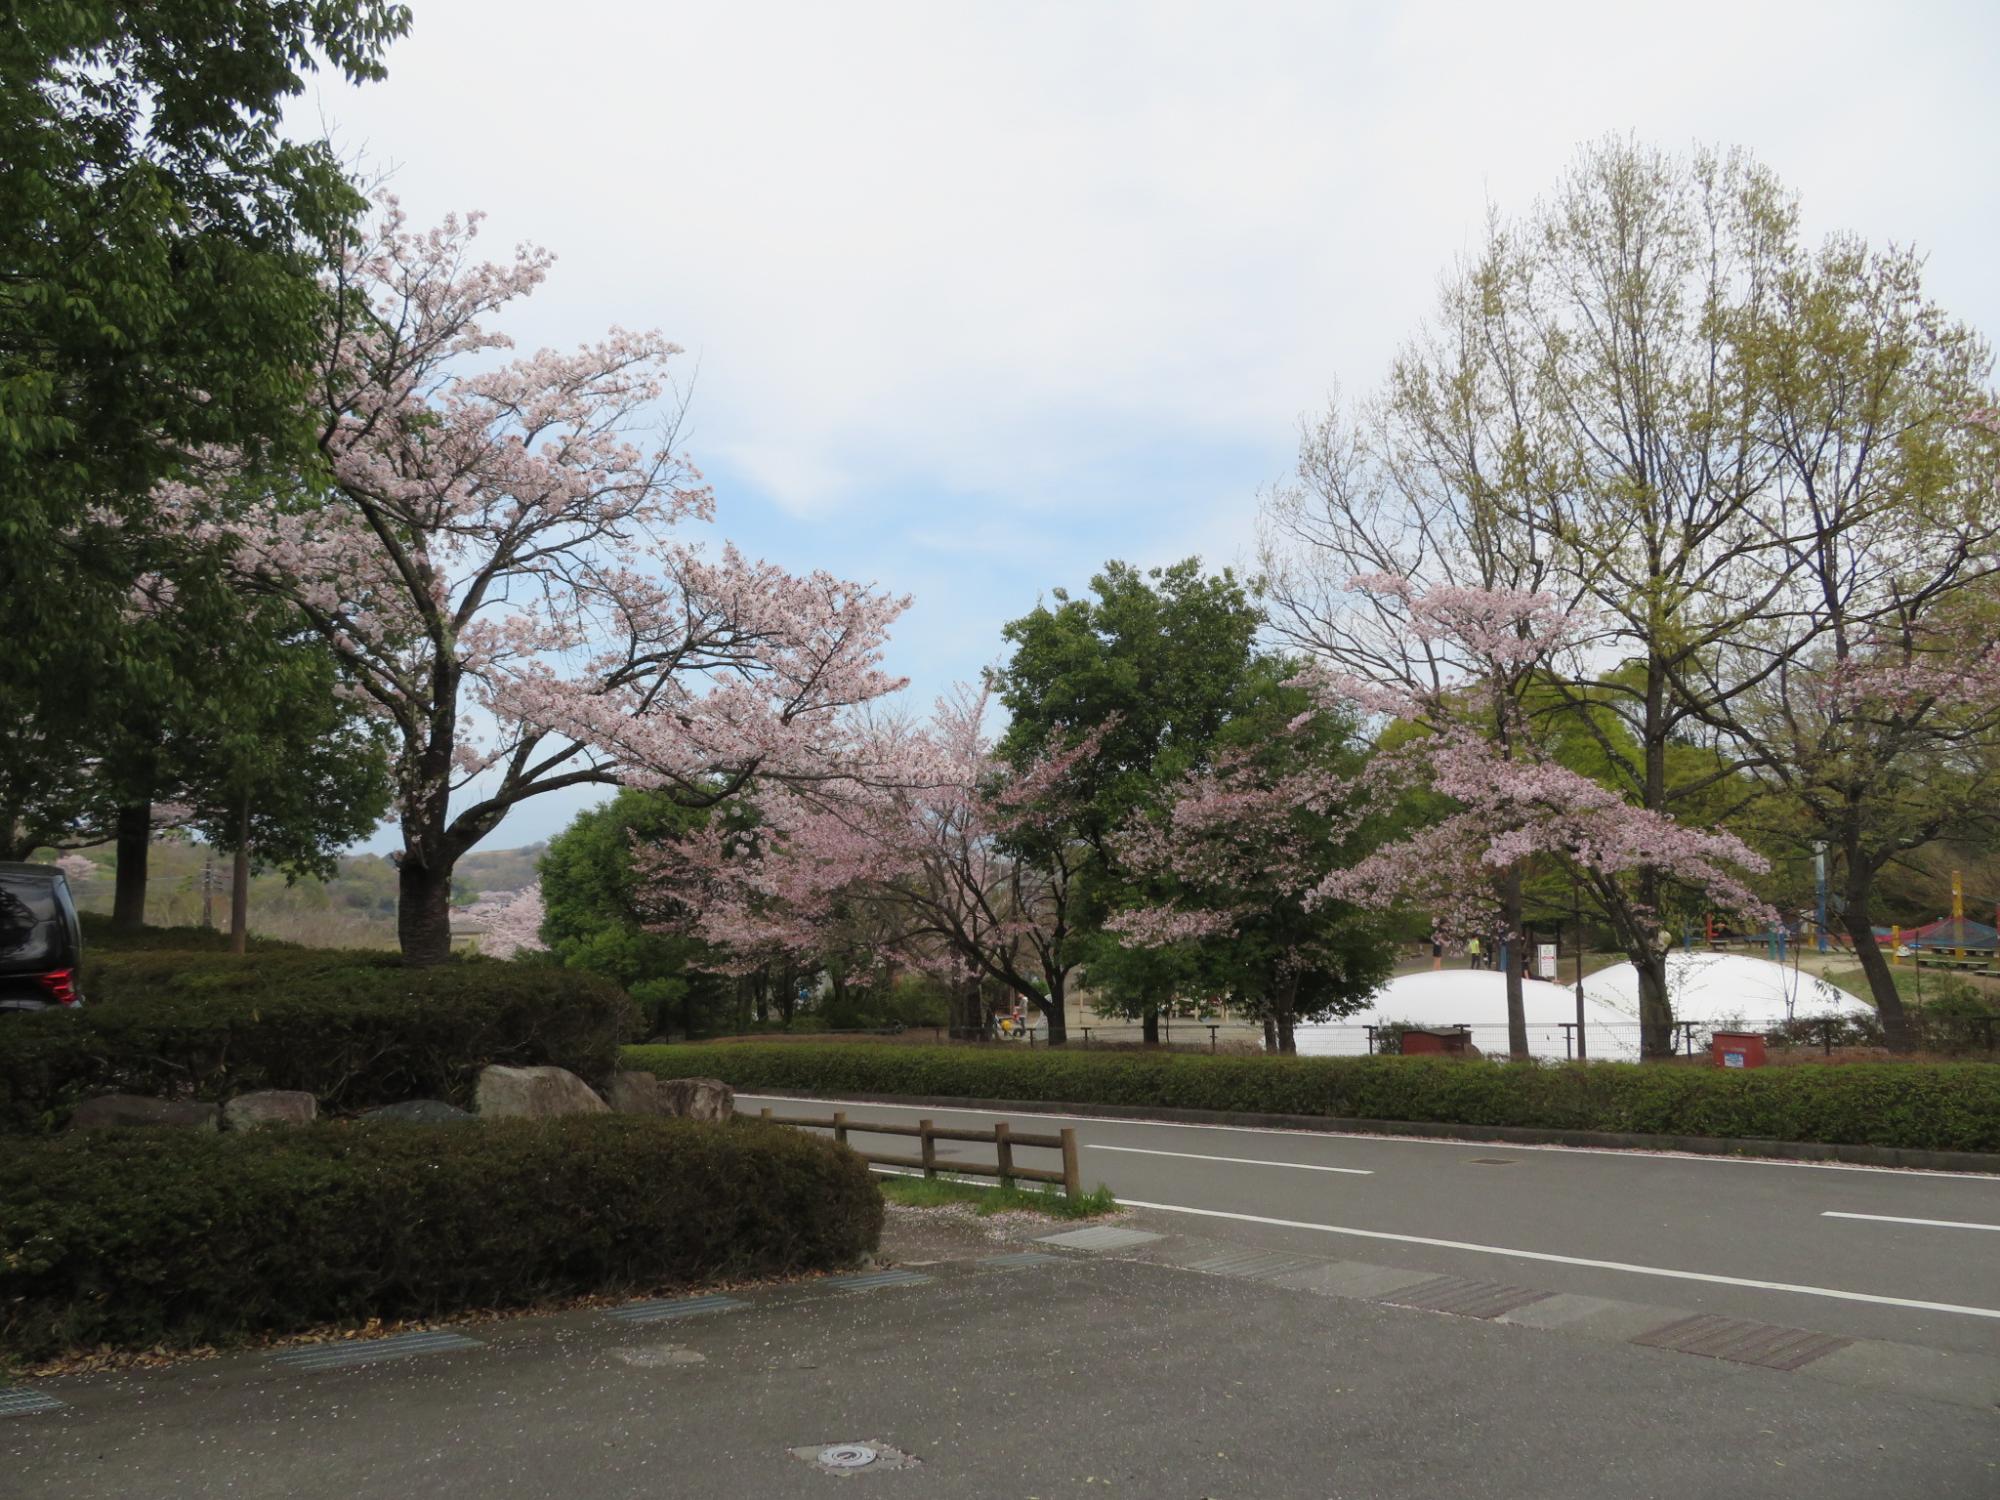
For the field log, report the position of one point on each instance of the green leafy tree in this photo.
(600, 916)
(1157, 661)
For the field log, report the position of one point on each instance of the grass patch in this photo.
(936, 1192)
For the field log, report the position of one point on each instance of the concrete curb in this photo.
(1609, 1140)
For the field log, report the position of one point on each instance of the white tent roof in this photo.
(1478, 998)
(1719, 987)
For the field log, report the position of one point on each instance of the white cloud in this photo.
(1075, 271)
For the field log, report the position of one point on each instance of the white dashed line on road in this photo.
(1666, 1272)
(1241, 1161)
(1927, 1223)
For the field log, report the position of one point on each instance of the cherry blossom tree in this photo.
(921, 843)
(1245, 847)
(509, 922)
(499, 560)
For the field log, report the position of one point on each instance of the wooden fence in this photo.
(1002, 1137)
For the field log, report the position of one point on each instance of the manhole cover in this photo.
(855, 1458)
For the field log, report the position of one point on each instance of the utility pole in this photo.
(208, 890)
(1576, 920)
(1819, 881)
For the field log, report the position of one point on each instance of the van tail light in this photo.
(61, 985)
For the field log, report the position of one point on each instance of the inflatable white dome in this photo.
(1717, 988)
(1478, 998)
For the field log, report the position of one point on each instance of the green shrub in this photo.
(139, 1237)
(1948, 1107)
(352, 1029)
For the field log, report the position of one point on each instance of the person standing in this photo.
(1472, 953)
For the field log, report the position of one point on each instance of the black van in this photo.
(41, 945)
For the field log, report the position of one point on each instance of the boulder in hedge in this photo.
(681, 1098)
(534, 1094)
(110, 1111)
(421, 1112)
(269, 1107)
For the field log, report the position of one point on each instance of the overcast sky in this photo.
(976, 297)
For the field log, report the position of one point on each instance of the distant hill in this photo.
(497, 869)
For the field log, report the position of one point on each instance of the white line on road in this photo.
(1241, 1161)
(1576, 1260)
(1630, 1153)
(1928, 1223)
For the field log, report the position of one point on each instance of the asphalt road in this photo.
(1920, 1265)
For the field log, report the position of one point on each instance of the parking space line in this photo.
(1665, 1272)
(1897, 1219)
(1241, 1161)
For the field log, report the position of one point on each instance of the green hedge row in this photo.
(353, 1029)
(140, 1237)
(1947, 1107)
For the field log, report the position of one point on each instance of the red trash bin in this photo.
(1737, 1049)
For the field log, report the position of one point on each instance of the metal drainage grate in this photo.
(1254, 1265)
(19, 1401)
(1765, 1345)
(1464, 1299)
(1020, 1261)
(676, 1307)
(871, 1280)
(368, 1351)
(1099, 1237)
(855, 1458)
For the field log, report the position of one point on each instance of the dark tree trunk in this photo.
(1512, 945)
(1056, 1008)
(135, 840)
(1656, 1011)
(423, 913)
(1150, 1035)
(967, 1024)
(1286, 1001)
(239, 885)
(1270, 1034)
(1875, 964)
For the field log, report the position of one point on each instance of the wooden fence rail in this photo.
(1001, 1136)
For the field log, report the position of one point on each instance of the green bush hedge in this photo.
(99, 936)
(140, 1237)
(353, 1029)
(1948, 1107)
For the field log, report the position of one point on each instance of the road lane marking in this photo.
(1927, 1223)
(1241, 1161)
(1297, 1132)
(1666, 1272)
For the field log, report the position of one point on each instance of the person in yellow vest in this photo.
(1472, 952)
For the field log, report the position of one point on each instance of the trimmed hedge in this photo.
(1939, 1107)
(352, 1029)
(100, 936)
(141, 1237)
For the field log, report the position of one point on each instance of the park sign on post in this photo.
(1545, 960)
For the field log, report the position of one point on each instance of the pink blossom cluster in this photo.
(508, 922)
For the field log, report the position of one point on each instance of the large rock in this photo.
(110, 1111)
(534, 1094)
(269, 1107)
(680, 1098)
(420, 1112)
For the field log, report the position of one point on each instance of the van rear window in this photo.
(30, 925)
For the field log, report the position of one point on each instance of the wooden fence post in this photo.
(764, 1113)
(1005, 1148)
(930, 1147)
(840, 1126)
(1072, 1177)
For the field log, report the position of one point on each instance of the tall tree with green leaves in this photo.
(1156, 662)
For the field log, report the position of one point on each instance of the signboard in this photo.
(1545, 960)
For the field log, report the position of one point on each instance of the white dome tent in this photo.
(1723, 989)
(1478, 998)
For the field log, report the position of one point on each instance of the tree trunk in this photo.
(1270, 1034)
(1875, 964)
(1150, 1022)
(239, 885)
(1286, 1001)
(1056, 1008)
(423, 913)
(135, 840)
(1512, 945)
(1656, 1011)
(967, 1024)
